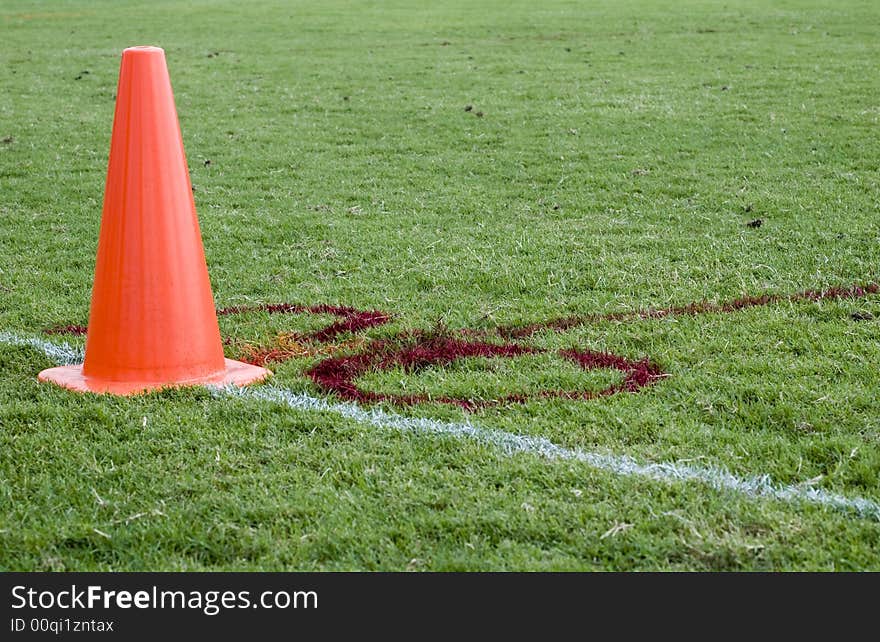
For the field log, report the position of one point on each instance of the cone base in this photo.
(71, 377)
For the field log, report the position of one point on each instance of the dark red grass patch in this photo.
(691, 309)
(338, 374)
(418, 349)
(350, 319)
(74, 330)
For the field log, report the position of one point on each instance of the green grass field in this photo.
(611, 159)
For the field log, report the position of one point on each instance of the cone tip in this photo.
(142, 50)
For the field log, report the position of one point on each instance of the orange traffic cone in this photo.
(152, 322)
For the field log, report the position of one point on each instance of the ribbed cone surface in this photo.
(152, 317)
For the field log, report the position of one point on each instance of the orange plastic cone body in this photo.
(152, 322)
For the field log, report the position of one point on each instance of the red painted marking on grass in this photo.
(351, 319)
(691, 309)
(74, 330)
(639, 374)
(417, 349)
(338, 374)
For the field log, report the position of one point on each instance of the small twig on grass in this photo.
(618, 528)
(131, 518)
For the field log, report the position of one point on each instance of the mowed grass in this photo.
(483, 379)
(612, 156)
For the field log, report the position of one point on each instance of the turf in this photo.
(486, 379)
(611, 159)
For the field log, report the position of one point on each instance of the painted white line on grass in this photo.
(63, 354)
(510, 443)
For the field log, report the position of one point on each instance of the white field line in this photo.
(510, 443)
(63, 354)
